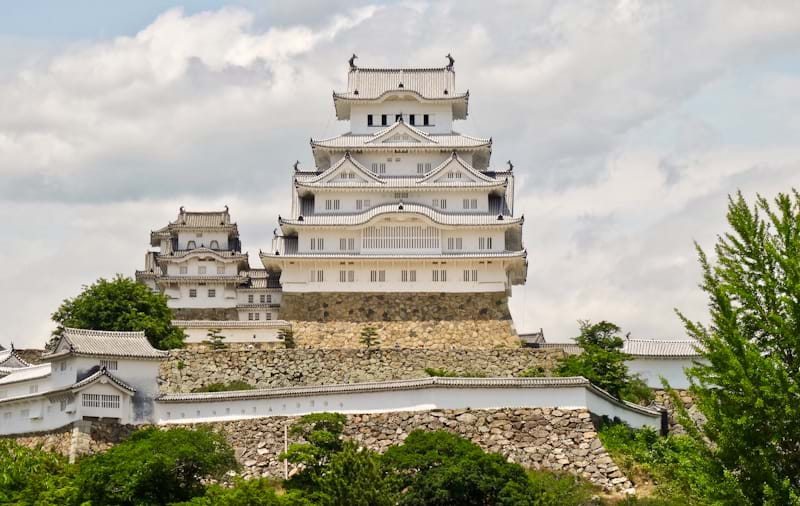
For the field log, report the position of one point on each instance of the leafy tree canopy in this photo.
(603, 363)
(748, 383)
(124, 305)
(33, 476)
(155, 466)
(322, 433)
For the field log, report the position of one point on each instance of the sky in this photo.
(629, 123)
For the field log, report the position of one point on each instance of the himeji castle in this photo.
(402, 224)
(402, 202)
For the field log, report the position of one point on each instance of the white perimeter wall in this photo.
(651, 369)
(402, 400)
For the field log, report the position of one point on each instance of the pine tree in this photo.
(287, 336)
(369, 337)
(216, 339)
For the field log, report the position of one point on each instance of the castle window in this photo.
(412, 119)
(184, 269)
(263, 298)
(401, 195)
(332, 204)
(111, 365)
(250, 316)
(269, 298)
(485, 243)
(474, 274)
(342, 276)
(212, 292)
(201, 269)
(377, 276)
(440, 203)
(420, 168)
(101, 401)
(369, 119)
(214, 244)
(426, 119)
(408, 276)
(384, 120)
(317, 244)
(191, 245)
(317, 275)
(256, 316)
(62, 366)
(427, 167)
(221, 269)
(351, 276)
(193, 293)
(398, 117)
(268, 316)
(250, 299)
(62, 405)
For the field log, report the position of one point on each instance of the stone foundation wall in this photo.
(562, 440)
(186, 370)
(92, 437)
(412, 334)
(407, 320)
(662, 398)
(211, 313)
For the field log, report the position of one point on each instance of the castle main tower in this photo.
(403, 224)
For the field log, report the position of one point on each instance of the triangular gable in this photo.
(455, 164)
(104, 377)
(347, 164)
(401, 132)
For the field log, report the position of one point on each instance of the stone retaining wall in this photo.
(562, 440)
(90, 437)
(408, 320)
(662, 398)
(186, 370)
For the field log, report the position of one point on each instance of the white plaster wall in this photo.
(651, 369)
(234, 335)
(202, 239)
(24, 387)
(441, 115)
(401, 163)
(347, 200)
(12, 420)
(179, 295)
(193, 267)
(272, 296)
(470, 237)
(491, 276)
(400, 400)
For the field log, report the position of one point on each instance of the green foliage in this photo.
(155, 467)
(322, 433)
(533, 372)
(225, 387)
(603, 363)
(748, 384)
(680, 465)
(355, 476)
(444, 373)
(253, 492)
(287, 336)
(33, 476)
(369, 337)
(180, 365)
(120, 304)
(440, 468)
(215, 339)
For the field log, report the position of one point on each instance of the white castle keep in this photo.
(402, 202)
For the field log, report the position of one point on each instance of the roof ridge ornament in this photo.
(352, 62)
(450, 62)
(296, 165)
(510, 166)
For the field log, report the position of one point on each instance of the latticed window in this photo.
(100, 401)
(111, 365)
(400, 237)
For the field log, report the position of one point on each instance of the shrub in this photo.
(444, 373)
(155, 467)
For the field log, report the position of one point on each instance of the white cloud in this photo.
(628, 123)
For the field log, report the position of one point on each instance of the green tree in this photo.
(252, 492)
(287, 336)
(34, 476)
(748, 382)
(355, 476)
(120, 304)
(322, 433)
(215, 339)
(369, 337)
(441, 469)
(155, 466)
(603, 363)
